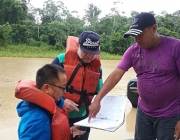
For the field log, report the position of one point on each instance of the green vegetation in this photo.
(20, 23)
(41, 52)
(28, 51)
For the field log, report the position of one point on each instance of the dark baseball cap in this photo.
(139, 23)
(89, 42)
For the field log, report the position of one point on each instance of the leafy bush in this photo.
(5, 29)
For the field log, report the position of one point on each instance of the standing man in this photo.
(83, 69)
(156, 60)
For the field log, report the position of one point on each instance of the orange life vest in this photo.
(27, 90)
(82, 81)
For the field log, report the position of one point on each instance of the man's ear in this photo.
(45, 88)
(154, 28)
(78, 47)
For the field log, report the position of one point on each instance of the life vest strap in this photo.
(84, 97)
(83, 94)
(73, 75)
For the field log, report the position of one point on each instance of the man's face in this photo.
(146, 39)
(85, 56)
(58, 88)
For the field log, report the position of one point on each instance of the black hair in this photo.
(48, 74)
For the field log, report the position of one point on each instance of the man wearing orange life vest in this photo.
(41, 117)
(83, 69)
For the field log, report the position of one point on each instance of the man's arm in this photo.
(59, 60)
(35, 124)
(177, 131)
(108, 85)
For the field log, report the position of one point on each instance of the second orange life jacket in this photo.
(82, 80)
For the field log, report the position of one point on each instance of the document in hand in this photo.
(111, 115)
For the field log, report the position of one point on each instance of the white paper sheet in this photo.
(111, 115)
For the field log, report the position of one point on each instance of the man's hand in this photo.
(76, 132)
(70, 105)
(94, 109)
(177, 131)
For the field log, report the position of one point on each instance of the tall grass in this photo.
(42, 52)
(107, 56)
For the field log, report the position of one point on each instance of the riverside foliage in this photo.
(20, 23)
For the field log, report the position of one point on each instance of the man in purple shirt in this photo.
(156, 60)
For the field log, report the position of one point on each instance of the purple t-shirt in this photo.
(158, 73)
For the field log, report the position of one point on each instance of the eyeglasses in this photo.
(63, 88)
